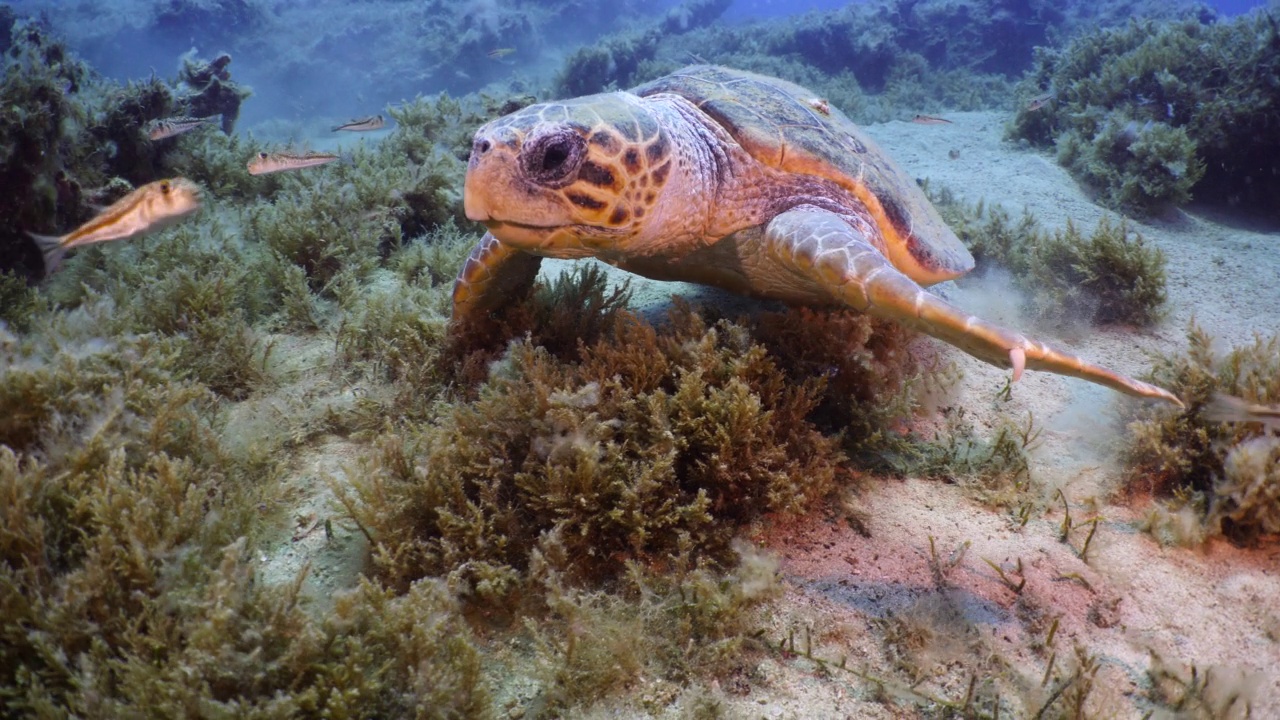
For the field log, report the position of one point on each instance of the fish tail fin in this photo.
(52, 249)
(1226, 408)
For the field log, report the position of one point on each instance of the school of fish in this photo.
(163, 203)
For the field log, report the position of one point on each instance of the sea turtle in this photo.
(735, 180)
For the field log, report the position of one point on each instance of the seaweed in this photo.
(1183, 456)
(990, 233)
(81, 400)
(424, 124)
(660, 628)
(617, 60)
(153, 602)
(1153, 111)
(1199, 692)
(843, 56)
(337, 224)
(217, 162)
(998, 467)
(119, 129)
(871, 40)
(870, 376)
(572, 312)
(216, 344)
(254, 650)
(19, 302)
(70, 139)
(194, 287)
(1111, 276)
(652, 437)
(930, 632)
(1246, 499)
(1138, 168)
(110, 467)
(395, 333)
(323, 230)
(128, 571)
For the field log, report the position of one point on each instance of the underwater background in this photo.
(247, 470)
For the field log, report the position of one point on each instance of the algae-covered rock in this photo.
(205, 89)
(45, 150)
(618, 61)
(1137, 167)
(69, 138)
(1153, 113)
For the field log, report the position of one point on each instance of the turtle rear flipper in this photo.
(824, 247)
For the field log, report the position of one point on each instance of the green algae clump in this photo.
(653, 437)
(1226, 472)
(1151, 112)
(1109, 276)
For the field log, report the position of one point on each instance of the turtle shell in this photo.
(790, 128)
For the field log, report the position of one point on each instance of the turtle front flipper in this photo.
(493, 274)
(825, 248)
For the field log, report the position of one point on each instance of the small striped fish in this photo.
(930, 120)
(152, 207)
(264, 163)
(169, 127)
(367, 124)
(1039, 101)
(1228, 408)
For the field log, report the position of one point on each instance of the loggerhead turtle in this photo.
(735, 180)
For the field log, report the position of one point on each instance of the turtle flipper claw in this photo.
(1018, 359)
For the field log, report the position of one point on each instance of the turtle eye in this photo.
(553, 159)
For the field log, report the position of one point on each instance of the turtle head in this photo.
(570, 178)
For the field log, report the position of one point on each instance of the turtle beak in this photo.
(481, 169)
(474, 205)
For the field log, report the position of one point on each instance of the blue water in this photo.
(760, 9)
(344, 68)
